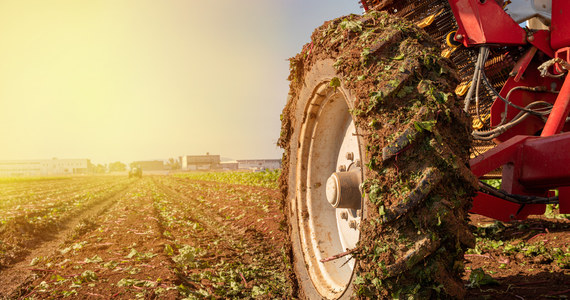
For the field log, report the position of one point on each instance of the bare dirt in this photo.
(527, 259)
(171, 238)
(164, 238)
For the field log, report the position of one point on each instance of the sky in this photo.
(130, 80)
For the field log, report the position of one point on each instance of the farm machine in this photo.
(393, 121)
(135, 171)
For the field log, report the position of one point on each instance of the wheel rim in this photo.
(328, 143)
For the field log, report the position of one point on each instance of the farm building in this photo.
(43, 167)
(200, 162)
(229, 165)
(150, 165)
(259, 164)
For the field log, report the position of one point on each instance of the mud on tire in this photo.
(413, 142)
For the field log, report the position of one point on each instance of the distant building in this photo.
(229, 165)
(200, 162)
(259, 164)
(43, 167)
(150, 165)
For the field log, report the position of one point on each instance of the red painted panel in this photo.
(541, 40)
(545, 162)
(497, 156)
(560, 27)
(502, 210)
(531, 209)
(485, 23)
(493, 207)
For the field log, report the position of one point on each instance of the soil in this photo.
(171, 238)
(532, 271)
(163, 237)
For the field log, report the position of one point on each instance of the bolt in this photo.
(530, 38)
(352, 224)
(344, 215)
(357, 163)
(458, 37)
(349, 155)
(342, 168)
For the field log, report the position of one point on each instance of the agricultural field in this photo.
(214, 236)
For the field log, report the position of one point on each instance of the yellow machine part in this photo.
(477, 124)
(462, 88)
(428, 20)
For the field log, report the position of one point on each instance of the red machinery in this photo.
(528, 117)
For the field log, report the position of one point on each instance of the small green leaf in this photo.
(132, 253)
(359, 280)
(335, 82)
(398, 57)
(168, 250)
(381, 210)
(425, 125)
(88, 275)
(479, 278)
(354, 26)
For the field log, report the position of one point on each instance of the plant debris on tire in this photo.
(413, 141)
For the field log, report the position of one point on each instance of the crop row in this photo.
(218, 255)
(264, 179)
(41, 194)
(24, 226)
(117, 252)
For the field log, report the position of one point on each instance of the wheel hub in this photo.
(343, 190)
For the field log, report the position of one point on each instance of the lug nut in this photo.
(344, 215)
(352, 224)
(349, 155)
(342, 168)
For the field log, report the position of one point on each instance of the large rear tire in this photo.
(371, 113)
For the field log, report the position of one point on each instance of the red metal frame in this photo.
(532, 165)
(364, 5)
(560, 27)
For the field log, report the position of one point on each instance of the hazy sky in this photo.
(149, 79)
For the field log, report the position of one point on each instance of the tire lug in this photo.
(342, 168)
(350, 156)
(344, 215)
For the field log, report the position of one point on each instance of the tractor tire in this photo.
(372, 126)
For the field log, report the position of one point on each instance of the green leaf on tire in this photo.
(335, 82)
(478, 278)
(425, 125)
(398, 57)
(354, 26)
